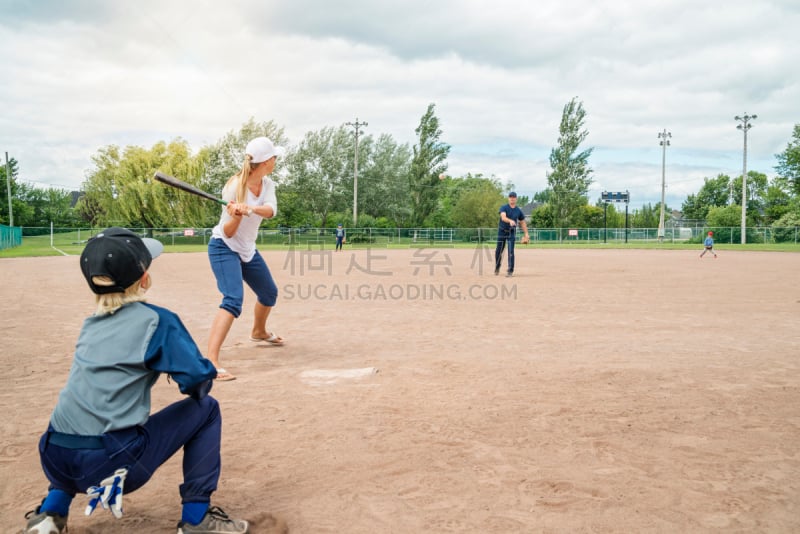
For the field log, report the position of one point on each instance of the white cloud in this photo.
(84, 74)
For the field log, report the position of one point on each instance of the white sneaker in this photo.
(215, 522)
(45, 523)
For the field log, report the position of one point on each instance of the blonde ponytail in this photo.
(242, 176)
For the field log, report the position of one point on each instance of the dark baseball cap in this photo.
(512, 194)
(120, 255)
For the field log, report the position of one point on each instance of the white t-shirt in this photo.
(243, 241)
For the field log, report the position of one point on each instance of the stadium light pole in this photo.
(8, 189)
(664, 136)
(744, 126)
(357, 126)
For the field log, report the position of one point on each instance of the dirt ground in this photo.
(595, 391)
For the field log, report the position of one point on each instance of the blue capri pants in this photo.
(230, 271)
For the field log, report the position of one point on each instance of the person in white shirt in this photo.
(232, 249)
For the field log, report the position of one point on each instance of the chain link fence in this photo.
(69, 239)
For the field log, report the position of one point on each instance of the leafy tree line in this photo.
(399, 185)
(34, 206)
(565, 202)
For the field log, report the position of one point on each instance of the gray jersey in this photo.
(117, 360)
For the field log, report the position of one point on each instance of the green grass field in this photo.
(71, 243)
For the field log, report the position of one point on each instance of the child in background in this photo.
(340, 236)
(709, 245)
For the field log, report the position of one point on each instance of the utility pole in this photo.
(8, 189)
(744, 126)
(664, 136)
(357, 125)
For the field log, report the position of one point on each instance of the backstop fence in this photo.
(10, 236)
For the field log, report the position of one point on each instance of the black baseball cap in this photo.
(120, 255)
(512, 194)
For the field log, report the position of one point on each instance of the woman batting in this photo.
(232, 249)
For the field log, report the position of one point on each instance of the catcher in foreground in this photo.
(102, 438)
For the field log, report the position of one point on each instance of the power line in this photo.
(48, 185)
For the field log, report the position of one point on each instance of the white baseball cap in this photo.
(262, 149)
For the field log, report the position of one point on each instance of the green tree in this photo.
(542, 217)
(648, 216)
(320, 168)
(478, 206)
(24, 210)
(757, 184)
(587, 216)
(453, 190)
(543, 196)
(96, 206)
(726, 221)
(292, 208)
(427, 163)
(383, 180)
(146, 203)
(570, 177)
(120, 190)
(715, 192)
(788, 165)
(777, 200)
(50, 205)
(442, 216)
(613, 217)
(787, 228)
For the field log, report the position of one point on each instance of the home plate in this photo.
(317, 377)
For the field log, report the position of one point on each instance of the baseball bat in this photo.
(183, 186)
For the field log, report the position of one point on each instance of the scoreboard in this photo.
(620, 196)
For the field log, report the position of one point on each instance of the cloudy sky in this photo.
(81, 74)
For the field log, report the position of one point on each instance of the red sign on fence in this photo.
(573, 233)
(189, 232)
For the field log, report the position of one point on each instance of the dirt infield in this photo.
(595, 391)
